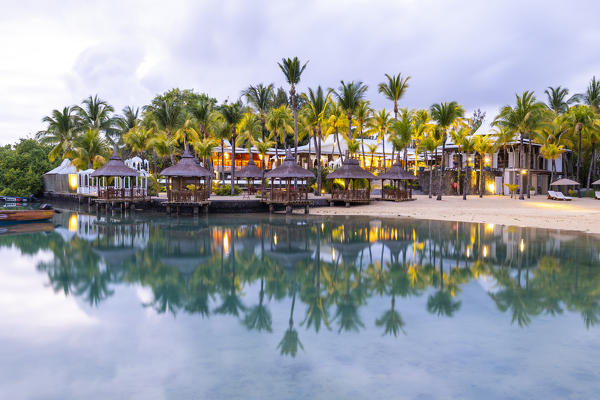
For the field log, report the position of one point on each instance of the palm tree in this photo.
(260, 96)
(349, 96)
(221, 131)
(129, 120)
(458, 137)
(249, 130)
(232, 113)
(524, 118)
(504, 137)
(317, 102)
(394, 89)
(445, 114)
(591, 97)
(89, 149)
(138, 139)
(96, 114)
(167, 116)
(363, 115)
(483, 145)
(335, 123)
(429, 144)
(402, 131)
(557, 101)
(468, 147)
(204, 148)
(292, 70)
(381, 124)
(204, 115)
(263, 148)
(580, 118)
(278, 121)
(61, 131)
(186, 132)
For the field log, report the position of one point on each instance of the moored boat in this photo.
(12, 216)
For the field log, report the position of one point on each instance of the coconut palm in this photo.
(203, 115)
(279, 123)
(483, 145)
(186, 133)
(393, 89)
(167, 116)
(380, 125)
(261, 98)
(557, 100)
(95, 113)
(335, 124)
(61, 131)
(317, 102)
(524, 118)
(221, 131)
(249, 130)
(232, 113)
(138, 139)
(292, 70)
(89, 149)
(445, 114)
(429, 144)
(349, 96)
(203, 149)
(468, 147)
(164, 147)
(263, 148)
(504, 137)
(458, 137)
(581, 119)
(363, 115)
(591, 97)
(129, 120)
(402, 130)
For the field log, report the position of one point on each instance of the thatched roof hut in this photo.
(350, 169)
(396, 172)
(114, 167)
(250, 171)
(289, 169)
(187, 167)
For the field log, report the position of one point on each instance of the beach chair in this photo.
(597, 195)
(561, 196)
(552, 195)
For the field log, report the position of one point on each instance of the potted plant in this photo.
(532, 191)
(513, 188)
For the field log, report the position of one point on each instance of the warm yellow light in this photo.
(322, 191)
(260, 157)
(491, 187)
(489, 227)
(485, 251)
(332, 253)
(322, 226)
(226, 242)
(522, 245)
(227, 155)
(468, 252)
(523, 171)
(73, 223)
(73, 181)
(275, 239)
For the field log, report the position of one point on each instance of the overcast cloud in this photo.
(479, 53)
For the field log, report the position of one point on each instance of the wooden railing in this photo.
(351, 195)
(187, 196)
(396, 194)
(122, 193)
(285, 196)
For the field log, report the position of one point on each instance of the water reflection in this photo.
(332, 267)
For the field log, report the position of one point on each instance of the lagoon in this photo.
(275, 307)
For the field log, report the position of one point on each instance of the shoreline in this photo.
(578, 215)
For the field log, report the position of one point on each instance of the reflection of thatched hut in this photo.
(293, 187)
(187, 183)
(127, 183)
(351, 173)
(250, 172)
(396, 174)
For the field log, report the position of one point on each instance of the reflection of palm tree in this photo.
(391, 320)
(317, 310)
(347, 310)
(441, 303)
(259, 316)
(290, 342)
(232, 304)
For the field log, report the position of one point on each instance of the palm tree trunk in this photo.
(383, 151)
(318, 149)
(406, 158)
(529, 158)
(579, 163)
(589, 177)
(362, 144)
(430, 173)
(521, 162)
(466, 167)
(293, 95)
(481, 175)
(222, 163)
(553, 170)
(350, 126)
(233, 162)
(442, 166)
(337, 139)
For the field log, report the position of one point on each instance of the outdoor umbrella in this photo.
(596, 182)
(564, 182)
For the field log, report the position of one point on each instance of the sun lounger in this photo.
(552, 195)
(597, 195)
(561, 196)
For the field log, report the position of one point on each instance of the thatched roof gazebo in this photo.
(395, 175)
(351, 173)
(288, 194)
(115, 181)
(187, 183)
(250, 172)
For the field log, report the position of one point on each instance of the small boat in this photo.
(16, 199)
(15, 229)
(15, 216)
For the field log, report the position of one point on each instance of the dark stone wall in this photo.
(450, 178)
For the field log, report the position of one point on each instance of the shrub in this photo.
(226, 191)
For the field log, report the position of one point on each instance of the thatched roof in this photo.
(250, 171)
(115, 167)
(350, 169)
(564, 182)
(396, 172)
(186, 167)
(289, 169)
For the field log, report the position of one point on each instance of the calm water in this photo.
(255, 307)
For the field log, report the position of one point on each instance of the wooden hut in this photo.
(351, 172)
(396, 175)
(250, 172)
(187, 184)
(292, 189)
(117, 183)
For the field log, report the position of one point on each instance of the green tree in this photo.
(61, 131)
(393, 89)
(233, 113)
(317, 103)
(292, 69)
(349, 96)
(261, 98)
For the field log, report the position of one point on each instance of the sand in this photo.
(538, 212)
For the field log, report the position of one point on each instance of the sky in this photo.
(479, 53)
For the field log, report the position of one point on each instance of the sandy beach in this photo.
(538, 212)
